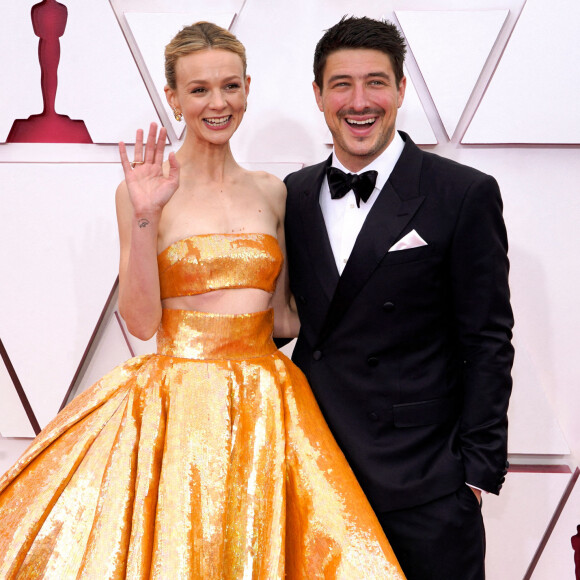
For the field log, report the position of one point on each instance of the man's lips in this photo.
(362, 123)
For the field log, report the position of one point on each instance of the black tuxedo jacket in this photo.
(409, 352)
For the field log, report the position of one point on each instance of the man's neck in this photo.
(383, 163)
(354, 164)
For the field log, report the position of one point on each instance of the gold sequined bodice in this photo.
(207, 262)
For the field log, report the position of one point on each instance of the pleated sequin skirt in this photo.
(209, 459)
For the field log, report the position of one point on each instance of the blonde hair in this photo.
(196, 37)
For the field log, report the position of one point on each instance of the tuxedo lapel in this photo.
(319, 248)
(396, 205)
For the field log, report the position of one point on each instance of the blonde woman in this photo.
(210, 458)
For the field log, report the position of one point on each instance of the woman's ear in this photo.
(171, 97)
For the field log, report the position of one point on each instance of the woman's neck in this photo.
(207, 161)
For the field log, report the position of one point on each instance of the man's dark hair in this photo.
(352, 32)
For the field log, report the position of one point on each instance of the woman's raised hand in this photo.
(149, 188)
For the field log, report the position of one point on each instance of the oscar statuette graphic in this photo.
(49, 22)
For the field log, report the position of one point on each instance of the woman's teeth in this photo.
(216, 122)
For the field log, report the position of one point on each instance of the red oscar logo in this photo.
(49, 21)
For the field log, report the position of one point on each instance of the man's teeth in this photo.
(367, 122)
(218, 121)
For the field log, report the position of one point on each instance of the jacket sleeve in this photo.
(484, 322)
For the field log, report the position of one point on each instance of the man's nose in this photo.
(359, 97)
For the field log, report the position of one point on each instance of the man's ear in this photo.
(318, 96)
(401, 91)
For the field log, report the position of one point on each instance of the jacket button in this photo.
(388, 306)
(302, 299)
(372, 361)
(373, 416)
(317, 355)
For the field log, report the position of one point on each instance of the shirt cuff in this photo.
(475, 487)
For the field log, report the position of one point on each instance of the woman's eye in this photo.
(232, 86)
(198, 90)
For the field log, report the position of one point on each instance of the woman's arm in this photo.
(286, 322)
(140, 200)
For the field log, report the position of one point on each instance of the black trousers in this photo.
(441, 540)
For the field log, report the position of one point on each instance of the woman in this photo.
(209, 459)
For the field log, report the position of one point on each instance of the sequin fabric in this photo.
(216, 261)
(208, 460)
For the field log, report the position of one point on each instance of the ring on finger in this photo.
(133, 163)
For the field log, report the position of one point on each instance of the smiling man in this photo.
(398, 263)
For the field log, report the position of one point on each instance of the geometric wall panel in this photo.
(58, 238)
(557, 559)
(533, 426)
(98, 80)
(59, 254)
(464, 40)
(515, 522)
(14, 421)
(151, 32)
(10, 450)
(533, 95)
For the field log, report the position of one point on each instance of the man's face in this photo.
(359, 99)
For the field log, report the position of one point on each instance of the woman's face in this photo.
(211, 93)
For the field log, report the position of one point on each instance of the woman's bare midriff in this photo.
(228, 301)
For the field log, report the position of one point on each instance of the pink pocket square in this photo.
(411, 240)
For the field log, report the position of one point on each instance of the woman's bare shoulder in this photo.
(270, 185)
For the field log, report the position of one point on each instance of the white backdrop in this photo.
(491, 83)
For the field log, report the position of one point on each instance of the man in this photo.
(404, 304)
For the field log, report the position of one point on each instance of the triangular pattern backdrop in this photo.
(59, 239)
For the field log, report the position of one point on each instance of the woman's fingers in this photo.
(150, 153)
(138, 153)
(160, 146)
(150, 146)
(124, 158)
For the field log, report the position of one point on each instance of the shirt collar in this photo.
(383, 164)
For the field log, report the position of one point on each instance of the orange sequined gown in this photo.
(209, 459)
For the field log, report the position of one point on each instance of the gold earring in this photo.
(177, 114)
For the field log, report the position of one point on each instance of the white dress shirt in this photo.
(342, 217)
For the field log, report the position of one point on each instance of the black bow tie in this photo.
(340, 183)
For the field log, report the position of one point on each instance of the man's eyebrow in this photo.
(379, 74)
(334, 78)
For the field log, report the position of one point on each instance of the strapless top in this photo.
(207, 262)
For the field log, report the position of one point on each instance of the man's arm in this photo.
(484, 321)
